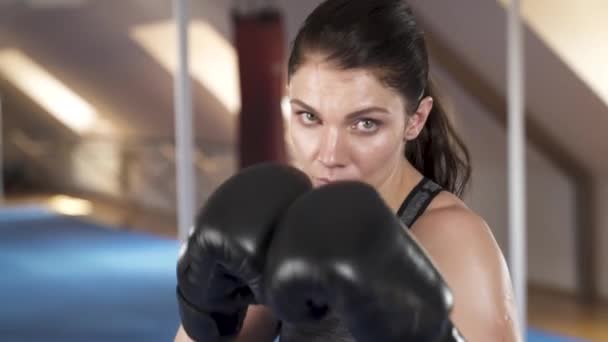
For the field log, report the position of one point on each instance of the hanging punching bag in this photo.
(260, 48)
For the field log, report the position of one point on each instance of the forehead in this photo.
(317, 81)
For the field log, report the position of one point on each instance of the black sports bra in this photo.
(417, 201)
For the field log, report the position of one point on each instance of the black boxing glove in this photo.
(340, 250)
(220, 266)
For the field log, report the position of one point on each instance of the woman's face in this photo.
(344, 124)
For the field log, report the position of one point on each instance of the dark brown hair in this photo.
(382, 35)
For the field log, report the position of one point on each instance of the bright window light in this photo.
(46, 90)
(213, 59)
(70, 206)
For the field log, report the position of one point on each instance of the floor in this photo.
(562, 313)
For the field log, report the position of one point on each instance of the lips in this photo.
(322, 181)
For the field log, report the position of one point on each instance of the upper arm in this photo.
(260, 325)
(464, 251)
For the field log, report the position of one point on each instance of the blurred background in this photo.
(88, 223)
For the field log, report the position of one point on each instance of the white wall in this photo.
(551, 225)
(602, 241)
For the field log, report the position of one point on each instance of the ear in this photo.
(416, 121)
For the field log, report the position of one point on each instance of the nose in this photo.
(332, 153)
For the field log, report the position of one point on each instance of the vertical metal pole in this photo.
(517, 166)
(184, 140)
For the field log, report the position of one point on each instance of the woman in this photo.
(363, 108)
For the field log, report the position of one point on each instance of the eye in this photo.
(366, 125)
(307, 118)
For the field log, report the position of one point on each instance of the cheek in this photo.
(375, 156)
(304, 143)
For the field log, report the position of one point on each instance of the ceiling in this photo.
(90, 48)
(577, 31)
(571, 114)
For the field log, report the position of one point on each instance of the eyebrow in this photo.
(349, 116)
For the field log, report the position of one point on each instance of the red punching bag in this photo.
(260, 49)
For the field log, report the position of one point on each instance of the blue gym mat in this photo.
(65, 279)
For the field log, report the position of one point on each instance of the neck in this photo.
(402, 179)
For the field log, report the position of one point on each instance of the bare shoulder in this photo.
(463, 248)
(448, 217)
(456, 237)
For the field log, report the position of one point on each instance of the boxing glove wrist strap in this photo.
(208, 326)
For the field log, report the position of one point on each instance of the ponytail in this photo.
(438, 152)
